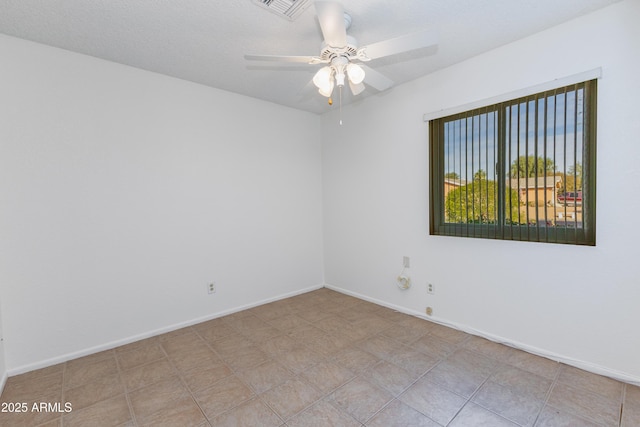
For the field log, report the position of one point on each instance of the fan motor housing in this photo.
(349, 50)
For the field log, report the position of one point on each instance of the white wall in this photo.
(3, 365)
(125, 192)
(579, 304)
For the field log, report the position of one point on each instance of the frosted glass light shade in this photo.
(355, 73)
(322, 79)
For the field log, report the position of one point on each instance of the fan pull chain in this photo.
(340, 105)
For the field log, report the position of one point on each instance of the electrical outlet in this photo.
(429, 311)
(211, 288)
(431, 289)
(406, 262)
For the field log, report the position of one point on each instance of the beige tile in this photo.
(389, 314)
(272, 310)
(522, 381)
(178, 341)
(299, 359)
(631, 414)
(314, 314)
(434, 346)
(246, 358)
(461, 380)
(183, 412)
(288, 322)
(323, 414)
(372, 324)
(584, 380)
(214, 330)
(328, 344)
(196, 357)
(228, 346)
(473, 362)
(113, 412)
(92, 358)
(251, 413)
(552, 417)
(380, 346)
(390, 377)
(354, 359)
(278, 345)
(222, 396)
(397, 414)
(632, 395)
(305, 333)
(404, 334)
(200, 379)
(413, 322)
(87, 394)
(413, 361)
(488, 348)
(631, 409)
(262, 334)
(451, 335)
(245, 323)
(516, 406)
(360, 398)
(463, 372)
(140, 356)
(327, 376)
(19, 389)
(143, 376)
(585, 404)
(474, 415)
(82, 373)
(54, 423)
(333, 324)
(535, 364)
(433, 401)
(265, 376)
(155, 398)
(291, 397)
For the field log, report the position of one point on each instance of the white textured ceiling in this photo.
(204, 40)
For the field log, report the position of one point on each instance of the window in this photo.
(523, 169)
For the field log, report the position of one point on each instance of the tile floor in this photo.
(319, 359)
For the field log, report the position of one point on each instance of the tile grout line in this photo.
(126, 391)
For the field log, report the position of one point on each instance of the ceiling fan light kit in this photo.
(338, 70)
(340, 51)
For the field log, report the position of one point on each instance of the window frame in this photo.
(585, 235)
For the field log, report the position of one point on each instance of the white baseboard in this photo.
(108, 346)
(3, 381)
(587, 366)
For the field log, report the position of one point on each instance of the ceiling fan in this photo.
(343, 57)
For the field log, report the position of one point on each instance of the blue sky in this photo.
(476, 138)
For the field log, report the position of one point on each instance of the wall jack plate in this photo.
(211, 288)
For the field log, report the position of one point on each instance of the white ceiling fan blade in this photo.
(356, 89)
(399, 44)
(284, 58)
(375, 79)
(331, 18)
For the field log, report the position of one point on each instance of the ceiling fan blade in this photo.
(400, 44)
(356, 89)
(331, 18)
(375, 79)
(283, 58)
